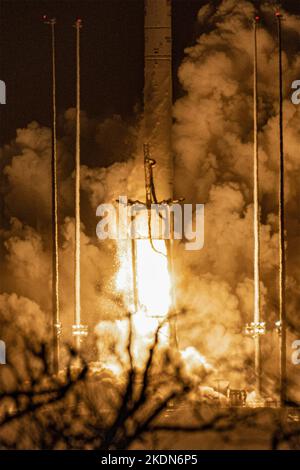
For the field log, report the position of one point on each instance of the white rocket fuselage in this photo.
(158, 93)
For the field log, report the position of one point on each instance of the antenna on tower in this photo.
(79, 330)
(56, 324)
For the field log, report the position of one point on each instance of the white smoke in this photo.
(213, 143)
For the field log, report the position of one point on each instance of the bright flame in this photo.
(153, 279)
(154, 303)
(153, 286)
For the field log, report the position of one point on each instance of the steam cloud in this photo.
(213, 144)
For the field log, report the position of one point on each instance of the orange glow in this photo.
(153, 286)
(153, 279)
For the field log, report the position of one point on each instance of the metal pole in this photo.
(282, 256)
(257, 303)
(173, 310)
(78, 329)
(134, 275)
(56, 325)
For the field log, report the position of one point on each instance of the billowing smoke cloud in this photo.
(213, 143)
(26, 223)
(213, 139)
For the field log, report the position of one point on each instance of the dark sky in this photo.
(112, 56)
(111, 51)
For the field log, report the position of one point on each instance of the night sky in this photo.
(112, 56)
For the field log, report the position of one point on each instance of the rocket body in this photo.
(158, 93)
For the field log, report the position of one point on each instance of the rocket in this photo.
(158, 93)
